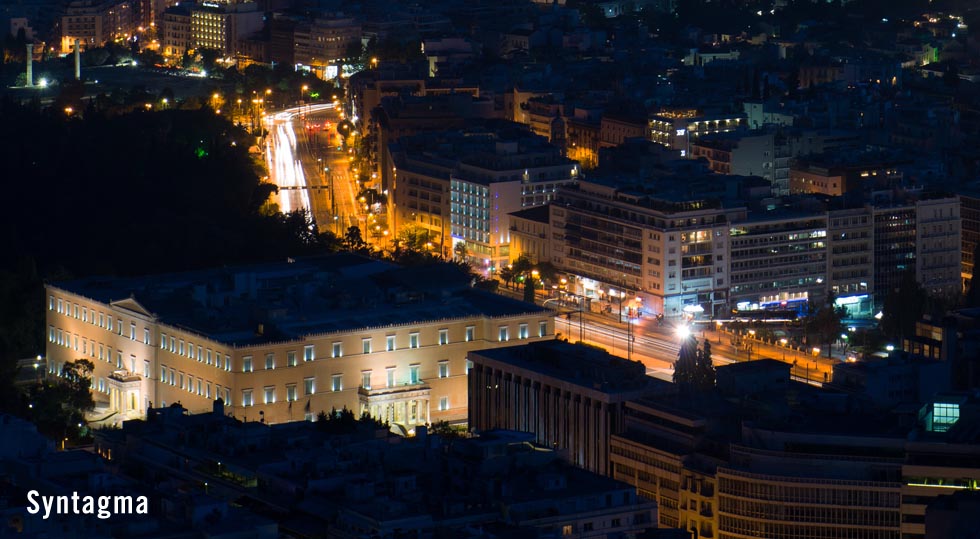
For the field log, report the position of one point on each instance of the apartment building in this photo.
(285, 341)
(570, 396)
(95, 22)
(175, 32)
(670, 252)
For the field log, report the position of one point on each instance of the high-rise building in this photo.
(285, 341)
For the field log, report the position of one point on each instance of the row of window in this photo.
(189, 350)
(186, 382)
(80, 312)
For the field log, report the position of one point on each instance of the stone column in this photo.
(30, 64)
(78, 63)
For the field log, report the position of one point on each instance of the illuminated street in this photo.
(308, 169)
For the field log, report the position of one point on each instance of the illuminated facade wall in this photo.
(221, 26)
(778, 261)
(408, 374)
(176, 32)
(850, 259)
(94, 23)
(673, 256)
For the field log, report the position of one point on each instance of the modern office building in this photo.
(175, 32)
(778, 260)
(285, 341)
(667, 249)
(570, 396)
(918, 233)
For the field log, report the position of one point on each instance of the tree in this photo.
(827, 324)
(704, 371)
(693, 369)
(353, 241)
(904, 306)
(686, 365)
(58, 406)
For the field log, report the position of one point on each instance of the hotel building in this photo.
(282, 342)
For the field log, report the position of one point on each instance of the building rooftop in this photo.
(578, 364)
(248, 305)
(540, 214)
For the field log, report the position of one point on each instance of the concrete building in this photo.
(175, 32)
(530, 234)
(756, 463)
(571, 397)
(778, 260)
(676, 128)
(835, 175)
(970, 234)
(315, 43)
(917, 232)
(850, 260)
(285, 341)
(95, 22)
(668, 250)
(222, 26)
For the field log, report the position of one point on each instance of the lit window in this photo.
(270, 395)
(246, 397)
(366, 346)
(522, 331)
(443, 403)
(469, 366)
(338, 350)
(413, 374)
(291, 393)
(132, 331)
(443, 336)
(308, 353)
(444, 369)
(309, 386)
(413, 340)
(247, 364)
(270, 362)
(336, 382)
(389, 343)
(290, 359)
(502, 335)
(390, 372)
(366, 379)
(146, 335)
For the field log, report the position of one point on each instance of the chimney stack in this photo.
(30, 65)
(78, 63)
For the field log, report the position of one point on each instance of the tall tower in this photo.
(30, 64)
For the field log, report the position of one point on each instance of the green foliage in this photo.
(354, 242)
(125, 195)
(827, 324)
(58, 406)
(694, 369)
(343, 422)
